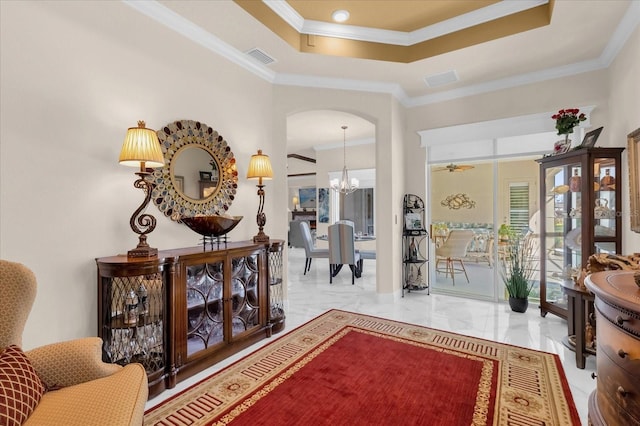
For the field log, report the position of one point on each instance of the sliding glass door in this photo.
(462, 219)
(475, 202)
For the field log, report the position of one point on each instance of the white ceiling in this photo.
(584, 35)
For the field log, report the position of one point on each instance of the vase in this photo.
(518, 304)
(608, 182)
(562, 145)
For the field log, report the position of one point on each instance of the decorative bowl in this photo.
(211, 226)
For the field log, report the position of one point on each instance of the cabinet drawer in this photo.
(613, 414)
(613, 341)
(618, 386)
(625, 320)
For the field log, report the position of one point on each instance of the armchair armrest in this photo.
(72, 362)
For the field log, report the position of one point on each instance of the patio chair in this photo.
(453, 250)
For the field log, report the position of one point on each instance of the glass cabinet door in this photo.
(604, 208)
(204, 299)
(562, 236)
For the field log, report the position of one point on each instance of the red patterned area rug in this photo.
(344, 368)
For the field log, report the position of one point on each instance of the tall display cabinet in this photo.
(580, 203)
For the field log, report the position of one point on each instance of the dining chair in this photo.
(453, 250)
(366, 254)
(342, 251)
(310, 249)
(347, 222)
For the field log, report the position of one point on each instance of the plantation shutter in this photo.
(519, 205)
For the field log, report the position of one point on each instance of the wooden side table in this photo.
(580, 307)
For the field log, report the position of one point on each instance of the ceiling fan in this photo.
(454, 168)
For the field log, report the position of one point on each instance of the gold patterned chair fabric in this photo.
(81, 389)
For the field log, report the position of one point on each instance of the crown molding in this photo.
(172, 20)
(351, 143)
(506, 83)
(625, 28)
(339, 83)
(500, 128)
(197, 34)
(399, 38)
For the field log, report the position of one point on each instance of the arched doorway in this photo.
(317, 148)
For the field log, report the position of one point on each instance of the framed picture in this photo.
(590, 138)
(179, 182)
(323, 205)
(307, 198)
(633, 144)
(413, 221)
(205, 175)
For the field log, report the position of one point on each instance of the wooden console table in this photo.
(580, 309)
(188, 308)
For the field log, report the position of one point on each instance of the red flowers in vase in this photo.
(567, 119)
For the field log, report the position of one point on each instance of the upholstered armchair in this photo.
(71, 384)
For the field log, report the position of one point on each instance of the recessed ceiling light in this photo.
(340, 15)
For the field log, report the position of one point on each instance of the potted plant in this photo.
(517, 268)
(504, 232)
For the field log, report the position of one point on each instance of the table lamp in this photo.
(260, 168)
(141, 148)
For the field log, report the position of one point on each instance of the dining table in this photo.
(356, 238)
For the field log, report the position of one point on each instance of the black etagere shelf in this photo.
(415, 246)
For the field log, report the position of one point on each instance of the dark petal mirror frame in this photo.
(173, 202)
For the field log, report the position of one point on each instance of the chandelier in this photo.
(344, 185)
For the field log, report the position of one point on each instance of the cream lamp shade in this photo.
(260, 167)
(141, 148)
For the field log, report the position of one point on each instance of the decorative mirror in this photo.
(199, 176)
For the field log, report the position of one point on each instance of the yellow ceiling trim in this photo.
(396, 15)
(513, 24)
(271, 20)
(522, 21)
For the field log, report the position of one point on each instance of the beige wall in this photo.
(624, 104)
(74, 77)
(476, 183)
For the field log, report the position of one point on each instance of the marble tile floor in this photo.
(310, 295)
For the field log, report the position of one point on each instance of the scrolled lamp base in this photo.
(261, 219)
(143, 224)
